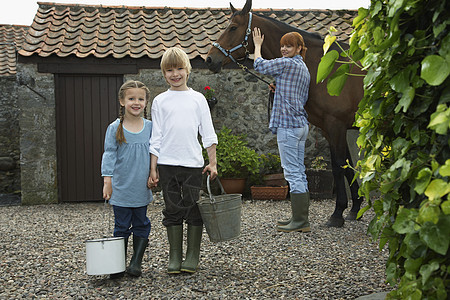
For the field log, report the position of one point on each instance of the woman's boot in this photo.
(194, 239)
(175, 236)
(300, 212)
(139, 245)
(120, 275)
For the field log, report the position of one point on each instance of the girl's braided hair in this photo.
(131, 84)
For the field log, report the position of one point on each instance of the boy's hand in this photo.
(212, 170)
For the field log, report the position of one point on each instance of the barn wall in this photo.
(37, 136)
(9, 138)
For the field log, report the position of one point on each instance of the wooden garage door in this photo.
(85, 105)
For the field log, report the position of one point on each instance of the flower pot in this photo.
(269, 192)
(320, 183)
(274, 180)
(233, 185)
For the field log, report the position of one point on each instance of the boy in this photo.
(179, 115)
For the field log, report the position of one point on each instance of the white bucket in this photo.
(105, 256)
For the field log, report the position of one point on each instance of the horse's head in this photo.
(231, 39)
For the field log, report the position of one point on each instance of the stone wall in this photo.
(9, 138)
(37, 136)
(242, 107)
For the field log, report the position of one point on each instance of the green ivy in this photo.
(404, 120)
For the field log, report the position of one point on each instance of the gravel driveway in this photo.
(42, 256)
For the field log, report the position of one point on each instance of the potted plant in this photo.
(235, 161)
(210, 96)
(271, 170)
(320, 179)
(271, 183)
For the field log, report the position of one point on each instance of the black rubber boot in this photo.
(300, 212)
(175, 236)
(139, 245)
(194, 239)
(120, 275)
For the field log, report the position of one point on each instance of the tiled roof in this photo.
(120, 31)
(11, 38)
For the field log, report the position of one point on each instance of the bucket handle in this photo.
(208, 185)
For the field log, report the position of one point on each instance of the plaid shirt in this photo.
(292, 79)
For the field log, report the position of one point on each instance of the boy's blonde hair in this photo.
(175, 58)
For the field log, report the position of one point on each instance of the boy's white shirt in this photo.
(178, 118)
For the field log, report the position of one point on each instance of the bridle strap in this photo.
(244, 43)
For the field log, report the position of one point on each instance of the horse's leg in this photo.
(338, 148)
(354, 187)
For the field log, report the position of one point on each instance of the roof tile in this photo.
(120, 31)
(11, 40)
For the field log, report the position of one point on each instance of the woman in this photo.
(288, 119)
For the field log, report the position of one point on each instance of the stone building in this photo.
(71, 64)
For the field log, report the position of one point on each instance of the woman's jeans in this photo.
(291, 145)
(129, 220)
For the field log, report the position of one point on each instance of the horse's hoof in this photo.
(335, 222)
(352, 215)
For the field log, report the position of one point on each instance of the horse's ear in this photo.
(233, 10)
(247, 7)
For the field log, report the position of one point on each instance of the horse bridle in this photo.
(244, 43)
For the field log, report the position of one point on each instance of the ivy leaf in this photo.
(428, 213)
(337, 80)
(329, 40)
(406, 100)
(427, 269)
(435, 236)
(437, 188)
(400, 82)
(445, 169)
(440, 120)
(405, 221)
(445, 206)
(435, 69)
(326, 65)
(422, 180)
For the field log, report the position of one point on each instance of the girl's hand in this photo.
(107, 188)
(153, 180)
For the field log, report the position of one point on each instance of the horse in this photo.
(332, 114)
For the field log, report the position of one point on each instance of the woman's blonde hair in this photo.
(131, 84)
(175, 58)
(294, 39)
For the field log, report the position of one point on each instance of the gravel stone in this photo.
(43, 256)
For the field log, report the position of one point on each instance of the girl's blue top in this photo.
(128, 165)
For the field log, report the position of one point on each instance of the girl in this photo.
(289, 119)
(126, 169)
(179, 115)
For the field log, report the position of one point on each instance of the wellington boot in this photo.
(121, 274)
(139, 245)
(175, 236)
(300, 211)
(284, 222)
(194, 239)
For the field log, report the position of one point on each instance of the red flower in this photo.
(209, 92)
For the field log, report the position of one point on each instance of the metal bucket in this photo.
(105, 256)
(221, 215)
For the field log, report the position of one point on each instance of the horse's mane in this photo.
(292, 28)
